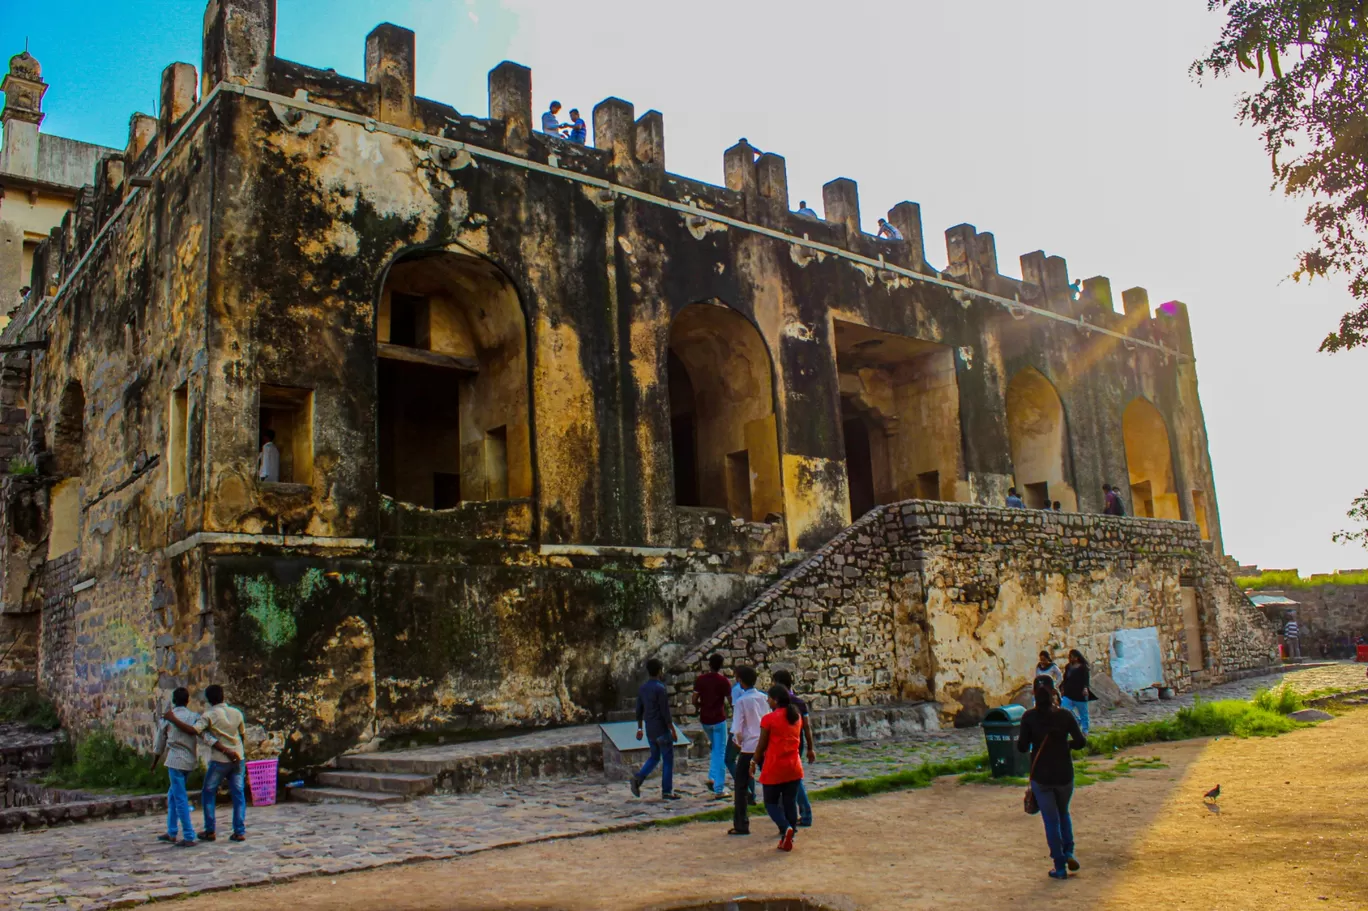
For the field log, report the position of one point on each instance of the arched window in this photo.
(723, 431)
(1149, 461)
(452, 397)
(1039, 441)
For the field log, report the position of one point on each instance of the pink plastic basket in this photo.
(261, 779)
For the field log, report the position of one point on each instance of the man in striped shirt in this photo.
(1292, 638)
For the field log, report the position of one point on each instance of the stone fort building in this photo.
(546, 410)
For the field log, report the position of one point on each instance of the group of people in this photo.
(765, 743)
(1111, 502)
(179, 732)
(574, 130)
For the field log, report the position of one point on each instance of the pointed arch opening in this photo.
(1149, 461)
(452, 393)
(723, 432)
(1038, 437)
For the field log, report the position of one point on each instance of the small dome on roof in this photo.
(26, 65)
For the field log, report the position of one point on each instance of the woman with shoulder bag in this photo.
(1050, 732)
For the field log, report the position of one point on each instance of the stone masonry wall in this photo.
(944, 601)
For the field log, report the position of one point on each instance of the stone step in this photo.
(406, 783)
(464, 767)
(346, 795)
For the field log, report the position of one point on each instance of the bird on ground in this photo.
(1213, 794)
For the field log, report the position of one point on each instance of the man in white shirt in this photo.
(746, 714)
(268, 463)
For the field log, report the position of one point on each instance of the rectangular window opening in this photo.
(409, 321)
(928, 485)
(1142, 500)
(446, 490)
(496, 462)
(1199, 514)
(178, 441)
(1037, 496)
(285, 448)
(739, 484)
(1192, 628)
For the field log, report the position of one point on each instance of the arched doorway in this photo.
(1039, 441)
(452, 397)
(1149, 462)
(723, 431)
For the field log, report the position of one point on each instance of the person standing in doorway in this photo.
(268, 462)
(178, 742)
(1045, 667)
(655, 724)
(712, 692)
(1049, 733)
(785, 679)
(1292, 637)
(781, 767)
(226, 726)
(748, 711)
(1075, 692)
(1014, 500)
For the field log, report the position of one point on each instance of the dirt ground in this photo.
(1292, 832)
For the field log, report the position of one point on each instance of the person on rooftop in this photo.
(551, 124)
(887, 231)
(578, 132)
(804, 210)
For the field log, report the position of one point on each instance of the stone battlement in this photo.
(628, 153)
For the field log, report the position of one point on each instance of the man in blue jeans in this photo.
(225, 724)
(654, 723)
(181, 760)
(712, 692)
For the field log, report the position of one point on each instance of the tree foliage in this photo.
(1312, 110)
(1358, 511)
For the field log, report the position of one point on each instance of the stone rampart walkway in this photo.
(119, 863)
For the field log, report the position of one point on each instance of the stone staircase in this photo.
(374, 789)
(378, 779)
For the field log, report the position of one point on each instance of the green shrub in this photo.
(22, 467)
(27, 707)
(100, 761)
(1284, 700)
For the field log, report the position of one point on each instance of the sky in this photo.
(1071, 126)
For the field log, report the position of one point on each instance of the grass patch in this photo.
(987, 778)
(1263, 716)
(1322, 693)
(919, 777)
(102, 762)
(25, 706)
(1292, 579)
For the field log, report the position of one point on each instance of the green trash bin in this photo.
(1001, 726)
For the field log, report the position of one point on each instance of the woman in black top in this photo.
(1051, 732)
(1075, 692)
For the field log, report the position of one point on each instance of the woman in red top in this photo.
(781, 771)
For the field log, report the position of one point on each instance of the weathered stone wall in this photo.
(1328, 611)
(256, 255)
(952, 602)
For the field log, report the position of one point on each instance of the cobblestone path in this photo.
(119, 864)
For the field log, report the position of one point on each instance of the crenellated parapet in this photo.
(239, 55)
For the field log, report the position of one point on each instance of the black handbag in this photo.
(1029, 801)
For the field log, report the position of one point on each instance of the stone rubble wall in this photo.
(951, 602)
